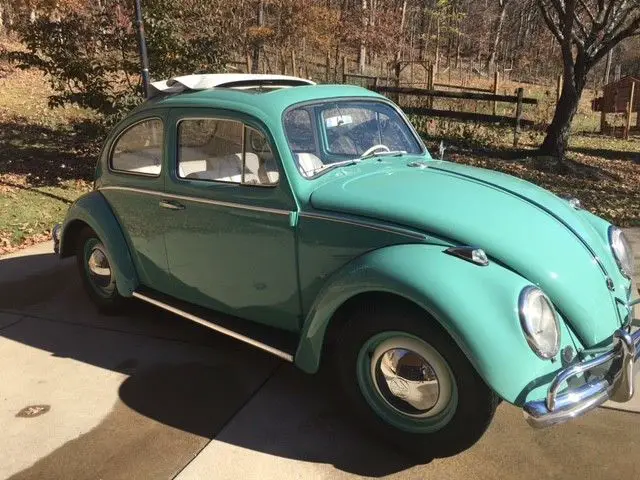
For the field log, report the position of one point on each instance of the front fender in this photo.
(94, 210)
(476, 305)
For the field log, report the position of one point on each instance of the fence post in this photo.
(344, 69)
(294, 70)
(629, 110)
(495, 91)
(327, 67)
(248, 62)
(432, 81)
(375, 84)
(615, 110)
(516, 130)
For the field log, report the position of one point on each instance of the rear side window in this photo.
(139, 149)
(219, 150)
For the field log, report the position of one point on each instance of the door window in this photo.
(139, 149)
(228, 151)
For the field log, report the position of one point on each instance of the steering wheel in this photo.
(375, 148)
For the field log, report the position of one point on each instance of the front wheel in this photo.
(410, 382)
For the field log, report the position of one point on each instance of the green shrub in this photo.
(90, 55)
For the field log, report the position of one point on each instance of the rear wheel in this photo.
(97, 273)
(408, 380)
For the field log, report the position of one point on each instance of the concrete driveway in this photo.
(149, 395)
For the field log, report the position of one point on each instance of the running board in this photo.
(257, 330)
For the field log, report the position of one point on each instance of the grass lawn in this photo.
(47, 158)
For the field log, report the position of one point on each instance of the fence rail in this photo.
(463, 87)
(517, 121)
(462, 95)
(468, 116)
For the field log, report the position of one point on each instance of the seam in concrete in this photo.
(20, 318)
(231, 417)
(115, 330)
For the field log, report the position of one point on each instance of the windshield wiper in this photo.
(353, 161)
(329, 166)
(378, 153)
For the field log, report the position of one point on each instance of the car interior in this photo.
(213, 150)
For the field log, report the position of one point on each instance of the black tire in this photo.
(475, 401)
(102, 290)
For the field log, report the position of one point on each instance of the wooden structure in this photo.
(622, 96)
(518, 122)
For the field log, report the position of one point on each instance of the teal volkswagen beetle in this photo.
(316, 225)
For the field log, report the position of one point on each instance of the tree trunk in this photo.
(436, 59)
(557, 138)
(491, 59)
(255, 57)
(362, 53)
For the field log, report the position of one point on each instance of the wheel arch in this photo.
(367, 299)
(92, 210)
(476, 306)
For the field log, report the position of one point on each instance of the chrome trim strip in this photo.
(225, 331)
(388, 229)
(199, 200)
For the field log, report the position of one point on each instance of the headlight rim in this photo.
(626, 270)
(533, 344)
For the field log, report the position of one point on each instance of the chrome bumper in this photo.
(616, 384)
(55, 236)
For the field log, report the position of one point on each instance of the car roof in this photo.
(265, 104)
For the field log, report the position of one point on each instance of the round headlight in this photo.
(621, 251)
(539, 322)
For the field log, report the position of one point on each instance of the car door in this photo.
(132, 176)
(230, 243)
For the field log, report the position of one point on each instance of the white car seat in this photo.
(308, 163)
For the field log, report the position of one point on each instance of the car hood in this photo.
(518, 224)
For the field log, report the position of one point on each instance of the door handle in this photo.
(171, 205)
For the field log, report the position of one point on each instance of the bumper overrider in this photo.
(615, 381)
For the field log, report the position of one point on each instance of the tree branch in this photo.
(588, 10)
(631, 30)
(549, 22)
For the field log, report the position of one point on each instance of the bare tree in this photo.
(586, 31)
(497, 33)
(362, 52)
(257, 47)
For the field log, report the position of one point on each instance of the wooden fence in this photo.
(332, 70)
(517, 121)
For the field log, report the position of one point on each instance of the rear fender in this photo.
(476, 305)
(93, 210)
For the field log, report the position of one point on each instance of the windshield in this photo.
(333, 132)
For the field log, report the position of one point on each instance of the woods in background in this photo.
(89, 48)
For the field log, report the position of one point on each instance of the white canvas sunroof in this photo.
(228, 80)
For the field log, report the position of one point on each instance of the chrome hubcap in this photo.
(409, 376)
(99, 267)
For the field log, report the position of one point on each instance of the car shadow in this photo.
(291, 415)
